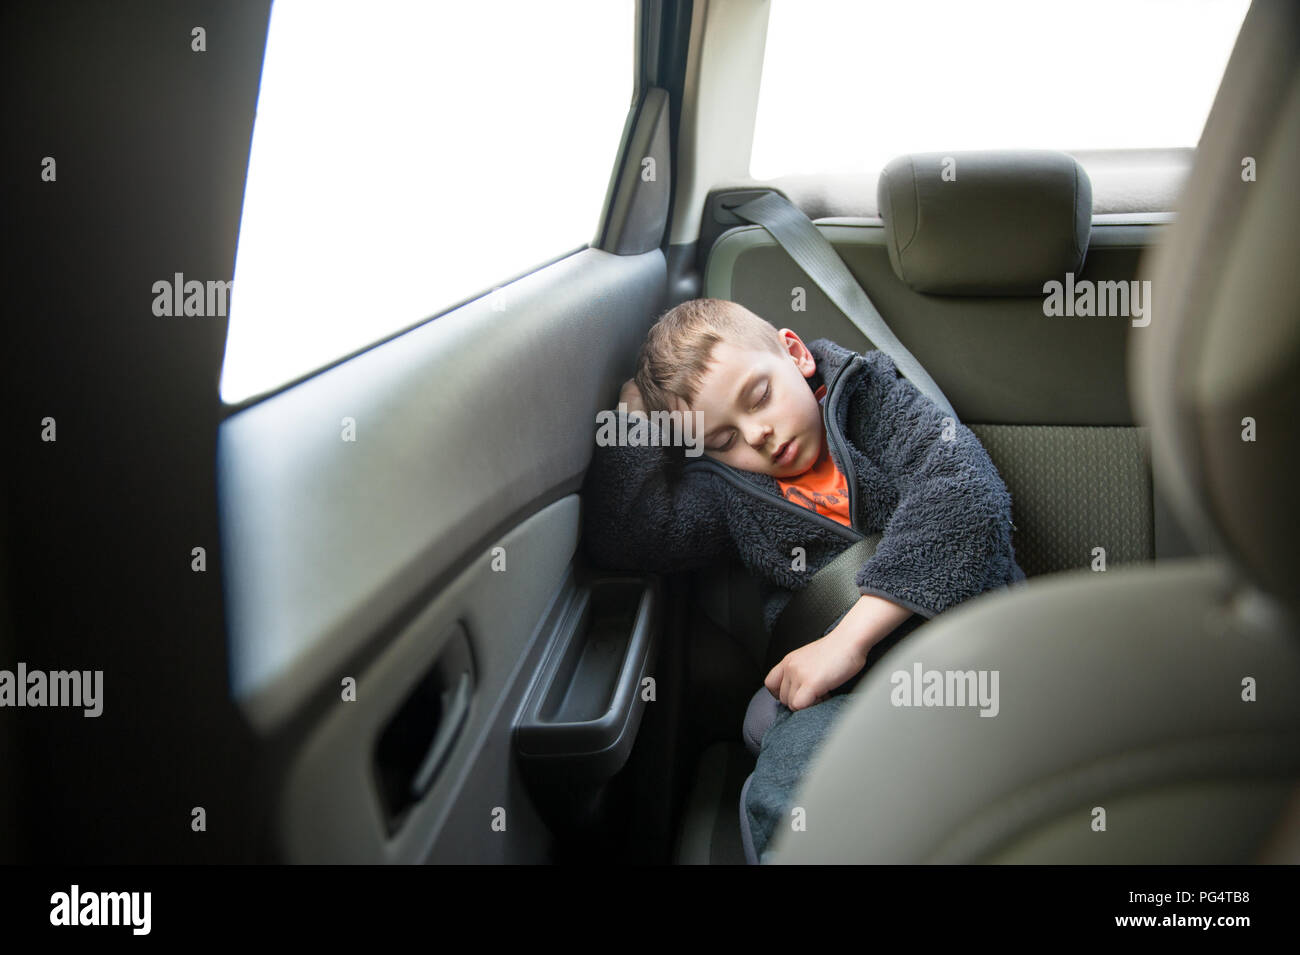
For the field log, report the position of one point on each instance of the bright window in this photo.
(849, 85)
(408, 156)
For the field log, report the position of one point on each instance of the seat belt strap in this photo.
(797, 235)
(830, 594)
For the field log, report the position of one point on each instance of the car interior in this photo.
(400, 650)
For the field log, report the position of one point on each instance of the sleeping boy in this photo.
(807, 448)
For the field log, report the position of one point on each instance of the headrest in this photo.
(985, 223)
(1216, 373)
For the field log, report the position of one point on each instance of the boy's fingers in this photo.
(798, 695)
(773, 681)
(792, 689)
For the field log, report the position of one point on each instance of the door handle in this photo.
(455, 707)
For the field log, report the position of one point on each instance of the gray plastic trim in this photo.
(330, 810)
(639, 211)
(1132, 232)
(464, 426)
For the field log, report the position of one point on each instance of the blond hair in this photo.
(678, 349)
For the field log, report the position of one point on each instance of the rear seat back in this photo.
(957, 267)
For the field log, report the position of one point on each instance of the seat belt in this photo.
(830, 594)
(833, 590)
(795, 233)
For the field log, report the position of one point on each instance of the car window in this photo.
(407, 157)
(847, 86)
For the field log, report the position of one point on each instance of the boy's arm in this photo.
(640, 513)
(949, 537)
(804, 676)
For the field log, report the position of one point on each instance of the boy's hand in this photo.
(631, 396)
(805, 676)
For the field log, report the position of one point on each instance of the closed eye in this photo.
(767, 393)
(724, 447)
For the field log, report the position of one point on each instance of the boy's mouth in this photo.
(784, 453)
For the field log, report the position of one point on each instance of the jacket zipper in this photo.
(833, 434)
(731, 474)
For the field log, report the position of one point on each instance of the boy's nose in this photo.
(758, 435)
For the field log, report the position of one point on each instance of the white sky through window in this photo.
(848, 85)
(407, 156)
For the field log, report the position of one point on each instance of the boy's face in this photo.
(759, 414)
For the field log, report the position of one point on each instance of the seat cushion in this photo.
(1149, 686)
(1074, 489)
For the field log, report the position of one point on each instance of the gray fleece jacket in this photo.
(942, 508)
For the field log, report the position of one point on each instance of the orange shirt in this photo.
(823, 487)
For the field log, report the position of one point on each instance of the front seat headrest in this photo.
(1216, 372)
(985, 223)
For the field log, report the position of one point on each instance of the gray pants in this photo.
(789, 738)
(785, 742)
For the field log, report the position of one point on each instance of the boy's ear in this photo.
(799, 352)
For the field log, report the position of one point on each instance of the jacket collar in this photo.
(830, 359)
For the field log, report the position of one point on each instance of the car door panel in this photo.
(362, 512)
